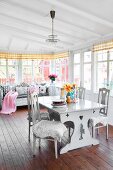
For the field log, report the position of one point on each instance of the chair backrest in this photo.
(103, 98)
(29, 91)
(81, 93)
(35, 107)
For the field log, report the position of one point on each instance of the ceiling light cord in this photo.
(52, 14)
(52, 38)
(52, 27)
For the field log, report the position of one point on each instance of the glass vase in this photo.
(68, 97)
(52, 81)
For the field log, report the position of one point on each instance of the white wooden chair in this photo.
(81, 93)
(101, 120)
(44, 115)
(45, 129)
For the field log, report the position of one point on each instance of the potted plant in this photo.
(52, 77)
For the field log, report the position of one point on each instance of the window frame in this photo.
(77, 64)
(87, 62)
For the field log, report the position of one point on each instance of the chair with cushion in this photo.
(44, 115)
(101, 120)
(45, 129)
(81, 93)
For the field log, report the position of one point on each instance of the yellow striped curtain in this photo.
(103, 46)
(4, 55)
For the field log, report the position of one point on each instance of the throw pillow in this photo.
(20, 90)
(42, 89)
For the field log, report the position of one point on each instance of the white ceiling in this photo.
(26, 24)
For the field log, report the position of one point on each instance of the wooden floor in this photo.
(16, 151)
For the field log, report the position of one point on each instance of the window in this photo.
(87, 70)
(61, 69)
(27, 71)
(3, 76)
(8, 71)
(104, 69)
(12, 71)
(110, 71)
(111, 75)
(38, 70)
(77, 68)
(41, 70)
(101, 69)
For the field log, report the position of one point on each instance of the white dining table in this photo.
(79, 113)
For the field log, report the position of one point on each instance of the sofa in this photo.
(22, 91)
(22, 88)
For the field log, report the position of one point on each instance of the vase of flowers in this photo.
(71, 92)
(52, 77)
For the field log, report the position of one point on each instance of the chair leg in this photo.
(69, 135)
(34, 144)
(39, 142)
(56, 149)
(93, 131)
(29, 130)
(97, 131)
(107, 131)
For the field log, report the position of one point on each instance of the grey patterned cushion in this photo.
(44, 115)
(46, 128)
(24, 84)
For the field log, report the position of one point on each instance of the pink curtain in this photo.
(9, 103)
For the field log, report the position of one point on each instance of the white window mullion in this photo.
(65, 70)
(7, 75)
(92, 72)
(32, 70)
(108, 57)
(82, 69)
(95, 72)
(71, 67)
(20, 71)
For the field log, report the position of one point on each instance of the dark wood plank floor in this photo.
(16, 151)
